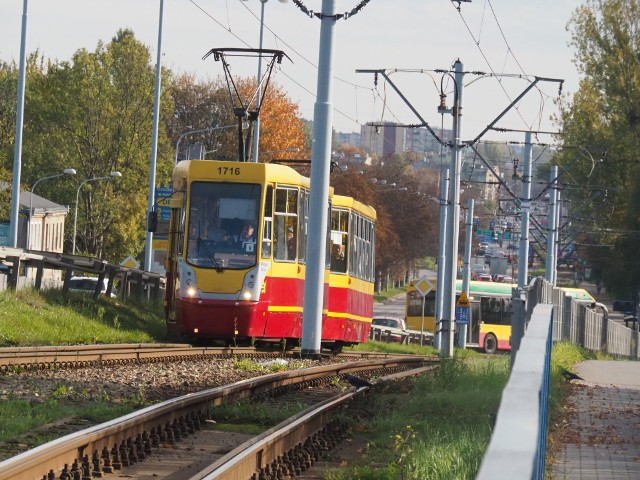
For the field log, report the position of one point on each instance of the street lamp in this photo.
(256, 126)
(115, 174)
(66, 171)
(191, 132)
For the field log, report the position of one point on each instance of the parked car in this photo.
(88, 285)
(485, 277)
(395, 327)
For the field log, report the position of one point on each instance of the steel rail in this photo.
(31, 358)
(87, 355)
(289, 445)
(106, 446)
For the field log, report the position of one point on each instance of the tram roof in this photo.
(353, 204)
(229, 171)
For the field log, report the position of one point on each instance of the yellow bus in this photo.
(490, 316)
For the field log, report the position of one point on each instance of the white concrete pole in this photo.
(17, 156)
(154, 143)
(318, 206)
(442, 256)
(453, 230)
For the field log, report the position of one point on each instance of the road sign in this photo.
(130, 262)
(163, 202)
(423, 286)
(463, 300)
(462, 309)
(462, 315)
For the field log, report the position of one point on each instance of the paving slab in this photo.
(601, 439)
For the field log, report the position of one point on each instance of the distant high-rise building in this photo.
(382, 140)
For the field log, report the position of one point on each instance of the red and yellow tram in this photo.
(237, 252)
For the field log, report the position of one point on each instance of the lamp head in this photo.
(115, 174)
(69, 171)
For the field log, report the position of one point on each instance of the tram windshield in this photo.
(223, 225)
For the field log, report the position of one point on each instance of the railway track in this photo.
(120, 444)
(80, 356)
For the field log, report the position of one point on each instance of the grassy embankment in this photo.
(28, 318)
(434, 427)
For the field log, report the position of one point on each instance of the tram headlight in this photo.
(192, 290)
(252, 284)
(188, 282)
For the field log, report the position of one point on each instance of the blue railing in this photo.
(518, 445)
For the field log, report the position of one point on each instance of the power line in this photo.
(477, 42)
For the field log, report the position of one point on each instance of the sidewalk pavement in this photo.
(601, 439)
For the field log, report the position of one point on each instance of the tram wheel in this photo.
(490, 344)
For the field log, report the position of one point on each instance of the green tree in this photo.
(8, 94)
(604, 116)
(94, 113)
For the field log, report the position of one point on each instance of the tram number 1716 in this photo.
(229, 171)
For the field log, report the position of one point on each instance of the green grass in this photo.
(244, 417)
(385, 295)
(24, 422)
(434, 427)
(29, 318)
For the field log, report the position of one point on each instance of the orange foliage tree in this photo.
(205, 105)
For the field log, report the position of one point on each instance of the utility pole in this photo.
(551, 241)
(518, 295)
(148, 249)
(320, 165)
(466, 270)
(453, 228)
(442, 260)
(17, 156)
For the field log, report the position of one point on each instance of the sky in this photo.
(513, 40)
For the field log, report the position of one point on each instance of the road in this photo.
(395, 306)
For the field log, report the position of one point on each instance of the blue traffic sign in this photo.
(462, 315)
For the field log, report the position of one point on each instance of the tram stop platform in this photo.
(601, 437)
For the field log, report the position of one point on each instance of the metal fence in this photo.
(23, 269)
(576, 322)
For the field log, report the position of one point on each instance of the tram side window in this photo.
(339, 237)
(180, 216)
(303, 215)
(267, 226)
(286, 224)
(361, 241)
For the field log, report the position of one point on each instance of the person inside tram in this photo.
(291, 244)
(248, 233)
(247, 238)
(338, 261)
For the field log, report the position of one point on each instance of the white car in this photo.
(88, 285)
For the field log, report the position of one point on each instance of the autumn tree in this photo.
(604, 116)
(407, 218)
(202, 105)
